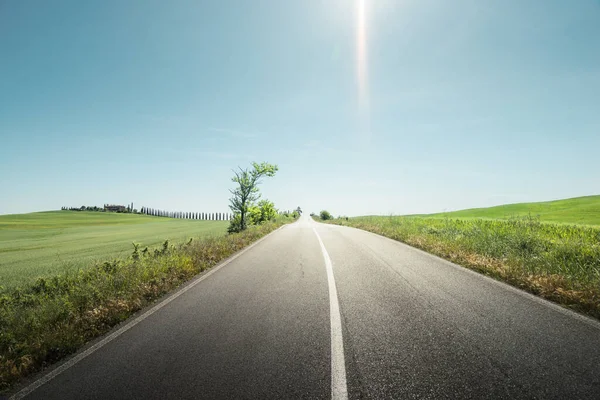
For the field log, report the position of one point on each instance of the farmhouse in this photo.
(115, 208)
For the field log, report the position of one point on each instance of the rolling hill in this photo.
(579, 210)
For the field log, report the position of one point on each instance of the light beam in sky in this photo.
(361, 62)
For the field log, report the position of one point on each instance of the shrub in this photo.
(254, 215)
(268, 211)
(325, 215)
(262, 212)
(235, 224)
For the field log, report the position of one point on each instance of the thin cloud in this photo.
(225, 156)
(235, 133)
(312, 143)
(197, 152)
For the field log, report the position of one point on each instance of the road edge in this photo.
(540, 300)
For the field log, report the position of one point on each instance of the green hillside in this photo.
(46, 243)
(578, 210)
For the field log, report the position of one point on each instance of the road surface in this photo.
(317, 311)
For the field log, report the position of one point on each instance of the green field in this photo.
(47, 243)
(578, 210)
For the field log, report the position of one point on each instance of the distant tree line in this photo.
(186, 215)
(294, 214)
(107, 208)
(154, 212)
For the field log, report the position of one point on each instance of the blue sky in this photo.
(464, 103)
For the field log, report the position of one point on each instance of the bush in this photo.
(254, 215)
(235, 224)
(325, 215)
(262, 212)
(268, 212)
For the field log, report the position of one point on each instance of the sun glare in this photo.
(361, 55)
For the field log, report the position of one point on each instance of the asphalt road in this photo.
(409, 325)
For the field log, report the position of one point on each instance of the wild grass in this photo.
(43, 321)
(556, 261)
(50, 243)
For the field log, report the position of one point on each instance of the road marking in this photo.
(339, 388)
(68, 364)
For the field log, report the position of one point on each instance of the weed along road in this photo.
(320, 311)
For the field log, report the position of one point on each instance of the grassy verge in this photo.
(42, 322)
(558, 262)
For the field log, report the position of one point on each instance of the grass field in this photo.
(578, 210)
(49, 243)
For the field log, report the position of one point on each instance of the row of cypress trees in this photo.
(187, 215)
